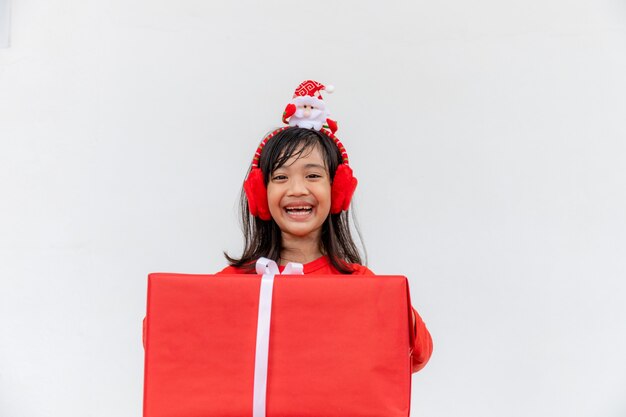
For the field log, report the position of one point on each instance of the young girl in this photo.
(295, 202)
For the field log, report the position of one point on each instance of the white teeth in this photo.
(299, 209)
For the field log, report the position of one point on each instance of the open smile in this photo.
(299, 212)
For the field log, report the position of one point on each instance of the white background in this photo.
(5, 22)
(489, 138)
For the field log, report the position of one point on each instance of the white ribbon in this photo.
(268, 269)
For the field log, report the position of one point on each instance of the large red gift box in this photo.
(338, 346)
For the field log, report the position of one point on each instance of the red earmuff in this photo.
(342, 188)
(256, 192)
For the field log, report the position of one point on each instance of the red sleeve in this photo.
(229, 270)
(235, 270)
(361, 270)
(422, 345)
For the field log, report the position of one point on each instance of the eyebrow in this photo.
(307, 166)
(315, 166)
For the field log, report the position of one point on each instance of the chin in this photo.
(300, 230)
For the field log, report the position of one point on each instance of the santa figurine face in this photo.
(310, 113)
(306, 110)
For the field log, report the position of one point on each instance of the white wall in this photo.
(5, 23)
(488, 138)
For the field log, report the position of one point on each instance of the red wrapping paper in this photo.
(339, 346)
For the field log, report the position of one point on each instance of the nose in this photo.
(307, 112)
(297, 187)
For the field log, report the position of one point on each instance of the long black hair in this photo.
(263, 238)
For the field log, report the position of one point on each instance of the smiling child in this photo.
(296, 198)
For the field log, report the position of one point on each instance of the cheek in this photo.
(324, 196)
(272, 199)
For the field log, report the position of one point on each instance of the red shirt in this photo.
(320, 266)
(423, 345)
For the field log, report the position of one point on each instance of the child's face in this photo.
(298, 194)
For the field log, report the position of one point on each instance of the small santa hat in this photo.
(310, 92)
(312, 89)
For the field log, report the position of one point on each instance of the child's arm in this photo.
(423, 343)
(422, 347)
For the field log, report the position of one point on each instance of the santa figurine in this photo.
(307, 108)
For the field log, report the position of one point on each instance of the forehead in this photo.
(311, 155)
